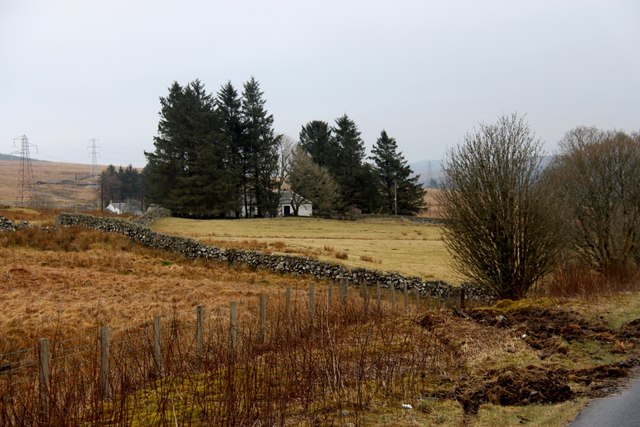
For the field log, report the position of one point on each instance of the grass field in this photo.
(431, 203)
(388, 245)
(66, 283)
(63, 283)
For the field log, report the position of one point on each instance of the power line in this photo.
(25, 189)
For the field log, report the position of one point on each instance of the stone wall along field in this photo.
(285, 264)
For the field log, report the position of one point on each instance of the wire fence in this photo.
(269, 360)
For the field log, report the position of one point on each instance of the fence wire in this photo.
(290, 351)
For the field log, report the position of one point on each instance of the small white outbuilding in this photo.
(118, 208)
(289, 200)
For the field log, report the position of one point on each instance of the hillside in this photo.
(57, 185)
(8, 157)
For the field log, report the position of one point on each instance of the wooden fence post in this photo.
(462, 296)
(287, 297)
(417, 299)
(262, 334)
(157, 349)
(378, 296)
(406, 299)
(233, 325)
(312, 304)
(330, 295)
(365, 295)
(199, 332)
(104, 362)
(344, 290)
(451, 299)
(393, 298)
(43, 351)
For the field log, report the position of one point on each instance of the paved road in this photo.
(619, 410)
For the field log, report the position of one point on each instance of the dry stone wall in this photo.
(153, 213)
(285, 264)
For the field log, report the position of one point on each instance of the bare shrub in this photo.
(596, 184)
(572, 279)
(494, 210)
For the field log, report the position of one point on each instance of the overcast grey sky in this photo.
(426, 71)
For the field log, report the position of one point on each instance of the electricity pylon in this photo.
(25, 174)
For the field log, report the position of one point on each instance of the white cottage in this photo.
(132, 206)
(118, 208)
(286, 206)
(289, 200)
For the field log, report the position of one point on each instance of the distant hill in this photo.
(13, 157)
(8, 157)
(57, 185)
(431, 173)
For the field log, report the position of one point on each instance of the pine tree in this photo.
(228, 104)
(316, 139)
(191, 193)
(260, 149)
(398, 186)
(110, 186)
(130, 180)
(349, 170)
(162, 168)
(188, 171)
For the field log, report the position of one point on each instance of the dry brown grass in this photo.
(66, 282)
(481, 348)
(433, 207)
(16, 214)
(62, 284)
(575, 280)
(45, 217)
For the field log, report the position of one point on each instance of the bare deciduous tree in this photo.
(596, 180)
(286, 148)
(312, 182)
(494, 209)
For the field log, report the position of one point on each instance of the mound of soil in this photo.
(544, 328)
(512, 387)
(631, 329)
(431, 319)
(547, 330)
(542, 322)
(534, 384)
